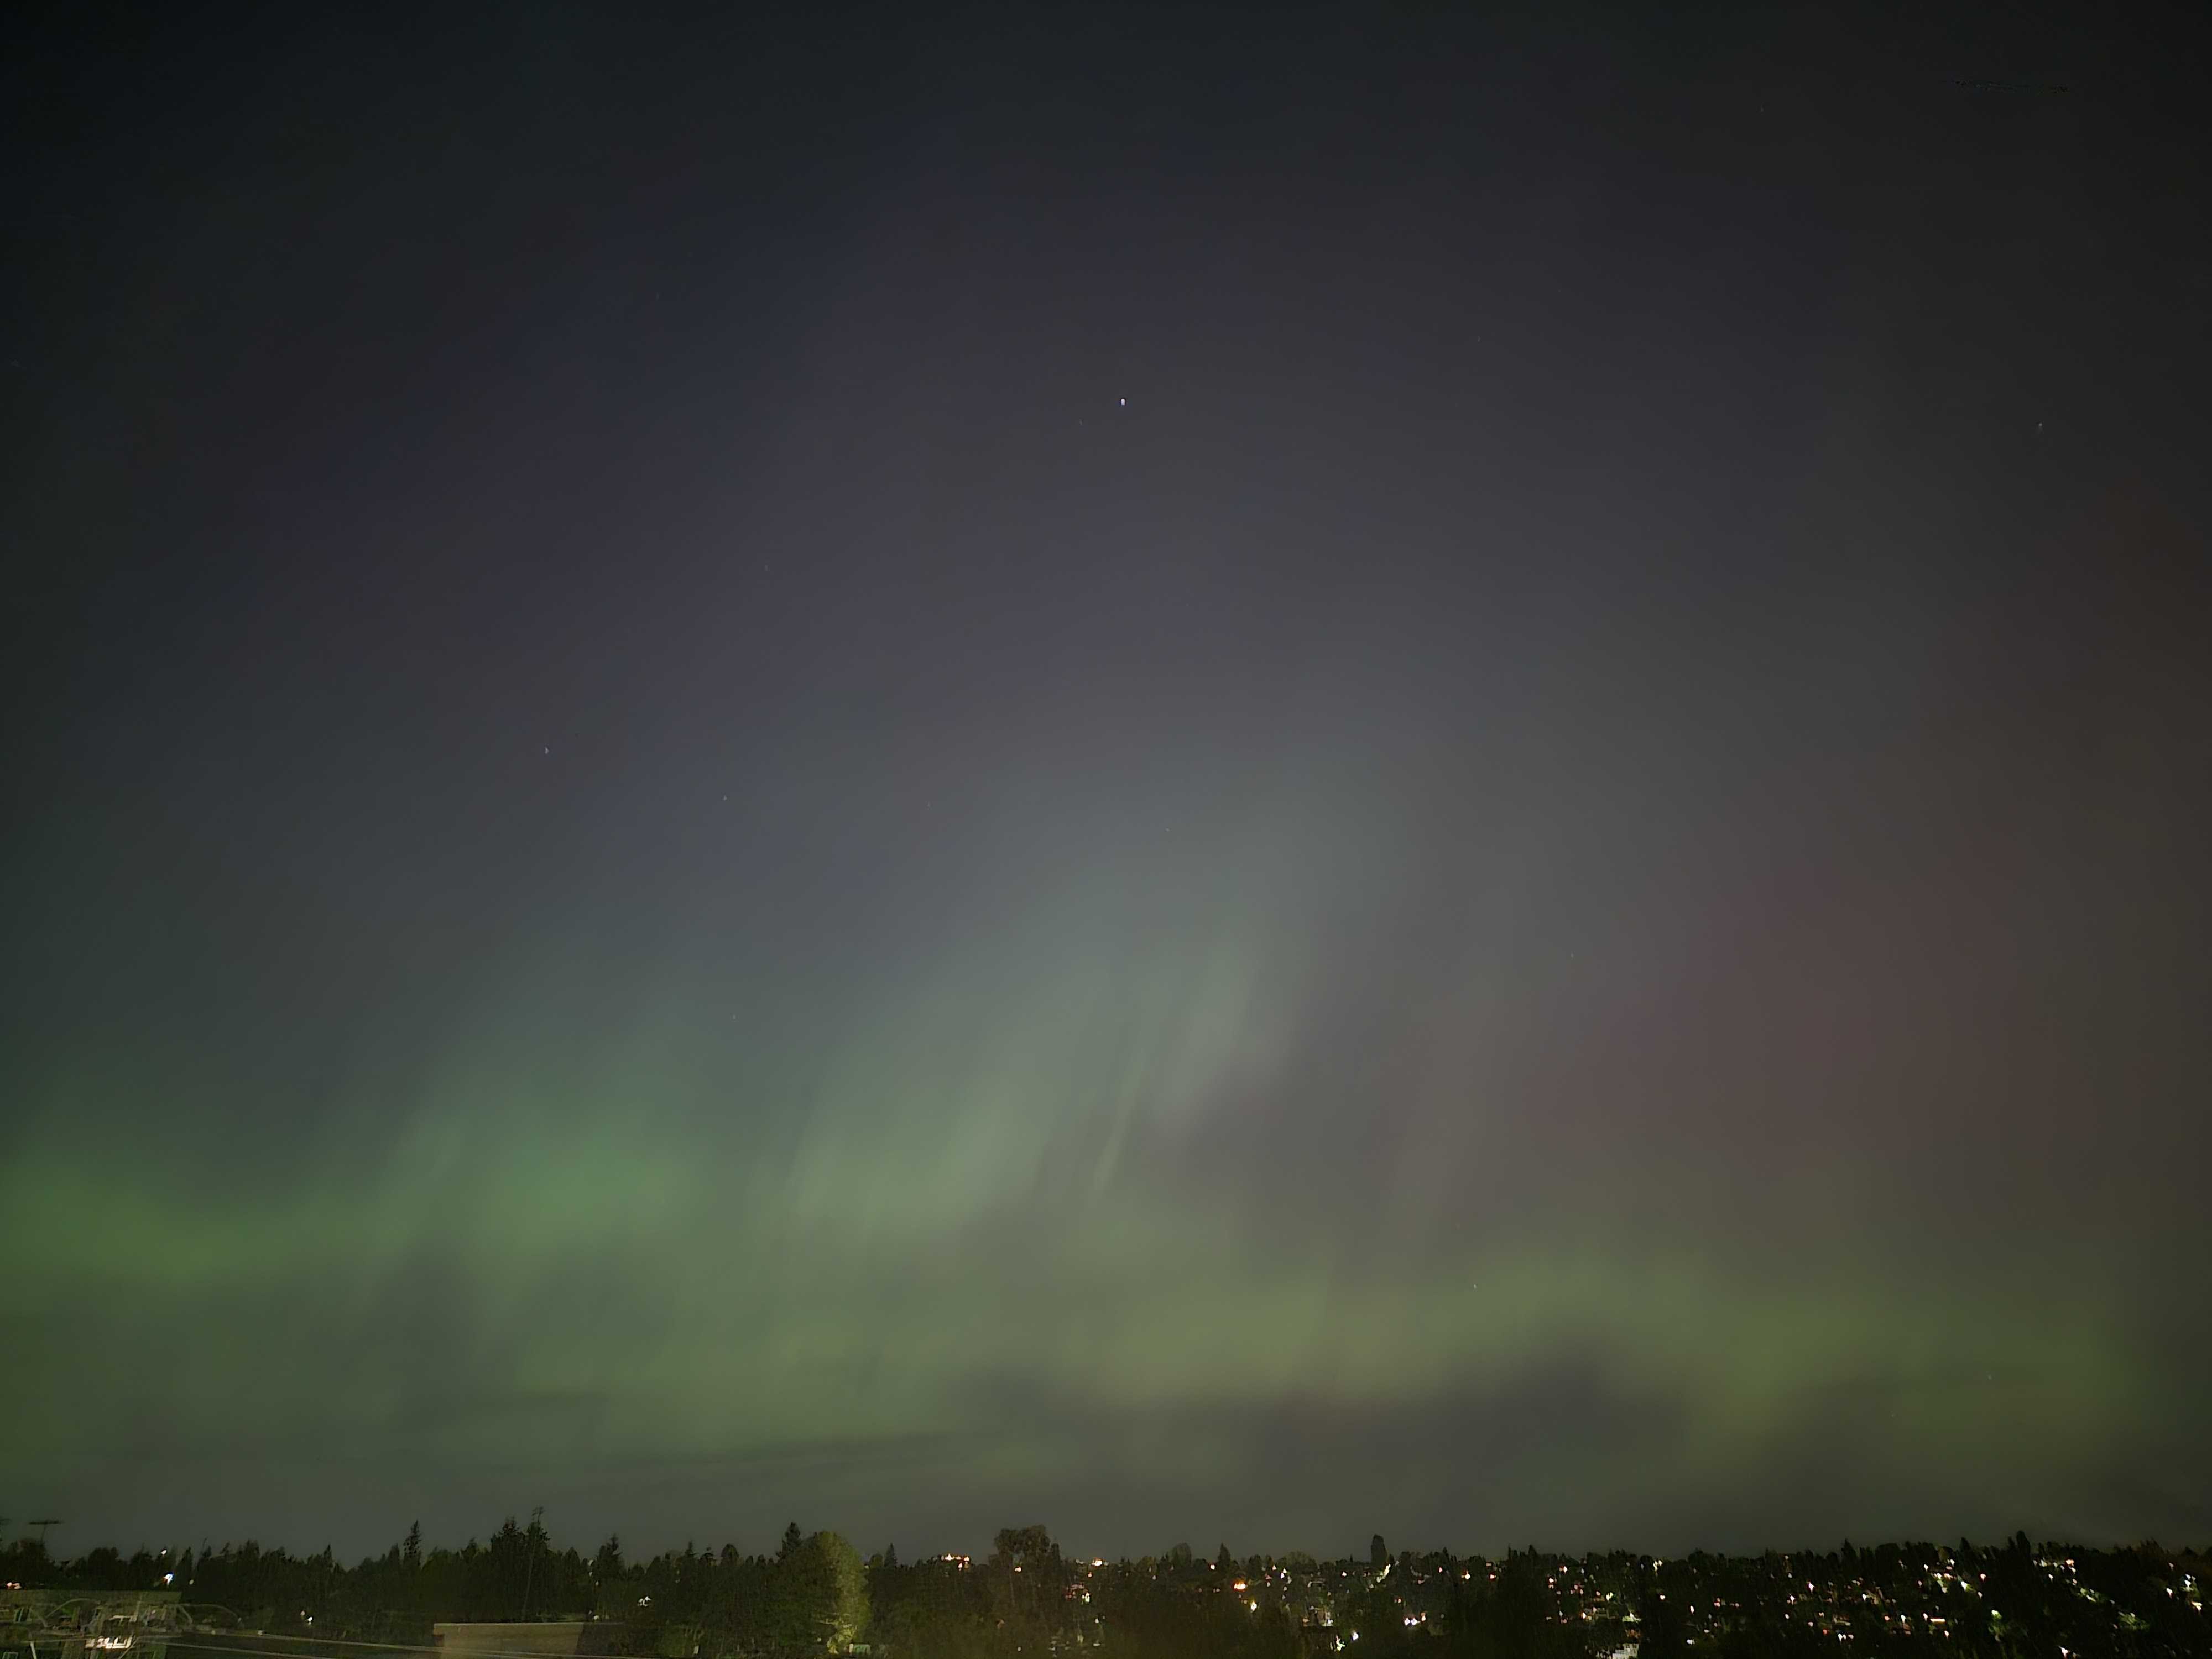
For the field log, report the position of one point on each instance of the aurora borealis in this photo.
(1420, 774)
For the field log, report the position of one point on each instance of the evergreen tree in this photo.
(840, 1583)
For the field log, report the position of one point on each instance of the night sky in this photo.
(1244, 775)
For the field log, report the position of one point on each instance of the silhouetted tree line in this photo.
(815, 1595)
(810, 1595)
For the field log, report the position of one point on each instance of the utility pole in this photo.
(51, 1521)
(530, 1542)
